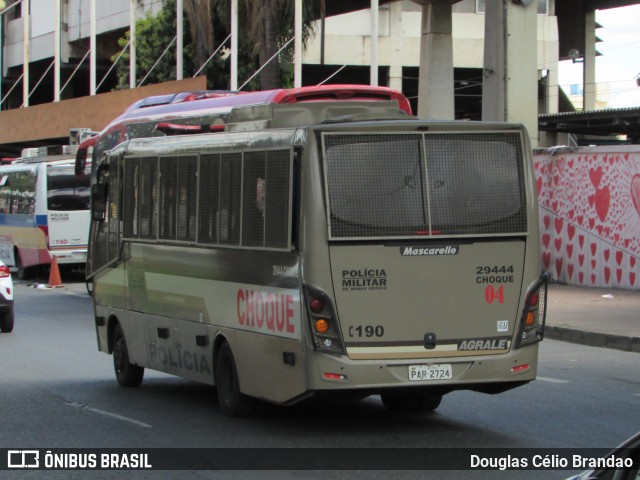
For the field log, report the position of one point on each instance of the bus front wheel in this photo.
(127, 374)
(232, 403)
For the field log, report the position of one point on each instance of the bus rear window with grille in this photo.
(404, 185)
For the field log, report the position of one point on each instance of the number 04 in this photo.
(491, 294)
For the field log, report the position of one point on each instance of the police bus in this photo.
(321, 241)
(44, 211)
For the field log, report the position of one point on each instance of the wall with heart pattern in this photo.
(589, 202)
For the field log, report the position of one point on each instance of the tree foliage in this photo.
(265, 26)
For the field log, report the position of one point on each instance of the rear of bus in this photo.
(421, 258)
(66, 213)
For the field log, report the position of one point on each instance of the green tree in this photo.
(265, 26)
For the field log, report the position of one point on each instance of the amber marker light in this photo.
(322, 326)
(531, 319)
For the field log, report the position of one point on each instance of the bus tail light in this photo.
(325, 331)
(533, 314)
(45, 230)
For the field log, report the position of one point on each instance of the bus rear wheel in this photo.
(127, 374)
(410, 402)
(24, 273)
(232, 403)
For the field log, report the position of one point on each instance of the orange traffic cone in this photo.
(54, 274)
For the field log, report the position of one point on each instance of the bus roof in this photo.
(180, 105)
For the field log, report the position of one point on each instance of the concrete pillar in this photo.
(589, 72)
(510, 84)
(373, 73)
(435, 89)
(396, 45)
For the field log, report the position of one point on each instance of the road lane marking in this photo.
(552, 380)
(109, 414)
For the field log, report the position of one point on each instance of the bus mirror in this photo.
(98, 201)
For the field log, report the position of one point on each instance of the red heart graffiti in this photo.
(580, 259)
(595, 175)
(635, 192)
(603, 198)
(569, 250)
(581, 241)
(570, 270)
(539, 185)
(571, 229)
(607, 254)
(546, 238)
(558, 224)
(594, 248)
(547, 222)
(632, 278)
(619, 275)
(559, 266)
(558, 244)
(619, 256)
(607, 275)
(546, 259)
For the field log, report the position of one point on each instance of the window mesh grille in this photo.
(209, 175)
(404, 185)
(277, 196)
(148, 198)
(232, 199)
(253, 179)
(168, 197)
(130, 199)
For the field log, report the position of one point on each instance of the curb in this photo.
(593, 339)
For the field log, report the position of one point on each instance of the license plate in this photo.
(440, 371)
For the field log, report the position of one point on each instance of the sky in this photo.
(619, 64)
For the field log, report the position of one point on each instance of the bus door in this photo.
(427, 242)
(68, 201)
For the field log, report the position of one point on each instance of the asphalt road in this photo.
(58, 391)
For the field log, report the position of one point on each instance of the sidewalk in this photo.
(594, 316)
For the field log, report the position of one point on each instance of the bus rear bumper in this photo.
(488, 373)
(70, 256)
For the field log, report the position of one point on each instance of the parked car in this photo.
(6, 299)
(624, 463)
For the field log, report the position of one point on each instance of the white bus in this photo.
(44, 211)
(335, 245)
